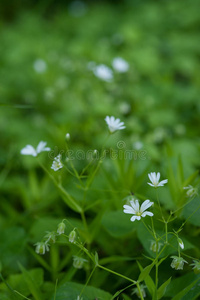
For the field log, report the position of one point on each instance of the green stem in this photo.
(118, 274)
(62, 190)
(159, 204)
(188, 218)
(139, 291)
(87, 281)
(156, 281)
(152, 233)
(166, 232)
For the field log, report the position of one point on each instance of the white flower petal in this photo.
(29, 150)
(133, 218)
(150, 184)
(129, 210)
(41, 147)
(158, 177)
(146, 204)
(147, 213)
(137, 206)
(163, 182)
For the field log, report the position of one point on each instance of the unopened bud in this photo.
(180, 242)
(41, 247)
(72, 236)
(61, 228)
(67, 137)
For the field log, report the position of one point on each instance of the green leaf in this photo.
(31, 283)
(176, 285)
(191, 178)
(96, 258)
(120, 291)
(186, 290)
(162, 288)
(12, 244)
(148, 281)
(145, 272)
(116, 228)
(71, 290)
(17, 282)
(180, 171)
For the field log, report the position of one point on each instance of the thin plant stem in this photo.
(116, 273)
(88, 280)
(139, 291)
(60, 187)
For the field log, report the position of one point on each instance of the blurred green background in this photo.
(48, 50)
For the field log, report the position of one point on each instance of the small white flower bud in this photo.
(180, 242)
(41, 247)
(67, 137)
(155, 246)
(72, 236)
(61, 228)
(50, 236)
(78, 262)
(196, 266)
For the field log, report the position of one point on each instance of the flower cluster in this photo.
(57, 164)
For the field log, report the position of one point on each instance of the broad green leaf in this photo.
(180, 171)
(31, 283)
(71, 290)
(176, 285)
(191, 211)
(162, 288)
(191, 178)
(17, 282)
(12, 244)
(186, 290)
(118, 223)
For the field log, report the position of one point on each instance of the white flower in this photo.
(56, 165)
(72, 236)
(114, 124)
(196, 266)
(30, 150)
(191, 191)
(142, 289)
(61, 228)
(138, 145)
(40, 66)
(78, 262)
(155, 180)
(137, 211)
(155, 246)
(103, 72)
(67, 137)
(181, 244)
(120, 65)
(178, 262)
(41, 247)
